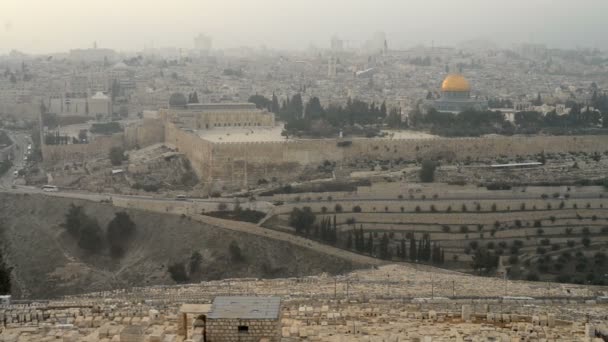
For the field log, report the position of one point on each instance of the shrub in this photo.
(464, 229)
(357, 209)
(513, 259)
(117, 155)
(235, 252)
(222, 206)
(427, 172)
(118, 232)
(541, 250)
(585, 241)
(445, 228)
(570, 243)
(323, 209)
(545, 242)
(417, 209)
(178, 272)
(532, 277)
(338, 208)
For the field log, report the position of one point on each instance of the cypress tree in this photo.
(413, 253)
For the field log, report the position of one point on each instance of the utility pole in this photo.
(432, 287)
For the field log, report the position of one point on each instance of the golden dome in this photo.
(455, 82)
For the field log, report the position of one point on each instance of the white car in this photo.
(15, 173)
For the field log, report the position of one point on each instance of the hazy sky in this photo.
(58, 25)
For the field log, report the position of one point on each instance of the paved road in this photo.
(21, 140)
(139, 202)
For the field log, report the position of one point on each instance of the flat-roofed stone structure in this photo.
(246, 319)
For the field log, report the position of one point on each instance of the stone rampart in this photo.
(246, 163)
(145, 133)
(99, 147)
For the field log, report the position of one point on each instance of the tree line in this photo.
(424, 250)
(311, 117)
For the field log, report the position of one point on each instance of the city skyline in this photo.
(61, 25)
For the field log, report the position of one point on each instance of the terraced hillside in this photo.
(556, 233)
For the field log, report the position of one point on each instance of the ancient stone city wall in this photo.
(240, 164)
(99, 147)
(146, 133)
(246, 163)
(135, 136)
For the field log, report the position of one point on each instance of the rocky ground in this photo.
(48, 262)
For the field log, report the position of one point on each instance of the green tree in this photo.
(302, 220)
(261, 102)
(484, 261)
(5, 277)
(117, 155)
(427, 172)
(90, 238)
(413, 251)
(194, 263)
(178, 272)
(235, 252)
(119, 232)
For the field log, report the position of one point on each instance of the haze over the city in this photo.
(36, 26)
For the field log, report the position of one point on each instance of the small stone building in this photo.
(245, 319)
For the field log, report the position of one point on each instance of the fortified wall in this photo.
(238, 164)
(148, 132)
(246, 163)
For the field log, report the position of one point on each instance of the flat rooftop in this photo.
(245, 307)
(242, 134)
(220, 106)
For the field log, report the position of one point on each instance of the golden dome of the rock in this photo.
(455, 83)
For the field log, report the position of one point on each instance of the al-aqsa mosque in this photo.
(456, 96)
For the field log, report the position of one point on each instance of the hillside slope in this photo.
(48, 262)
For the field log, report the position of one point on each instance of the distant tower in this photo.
(202, 43)
(95, 45)
(331, 67)
(337, 44)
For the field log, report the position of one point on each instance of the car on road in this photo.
(16, 173)
(50, 188)
(181, 198)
